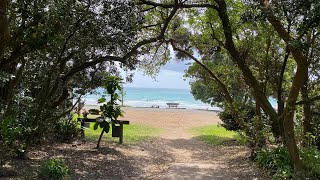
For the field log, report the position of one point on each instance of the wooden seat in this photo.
(172, 104)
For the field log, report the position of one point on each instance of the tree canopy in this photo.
(246, 53)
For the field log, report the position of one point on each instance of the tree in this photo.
(293, 37)
(110, 111)
(56, 47)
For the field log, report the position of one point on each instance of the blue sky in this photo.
(170, 76)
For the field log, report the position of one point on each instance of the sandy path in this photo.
(184, 156)
(173, 155)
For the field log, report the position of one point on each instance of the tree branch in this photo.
(215, 37)
(209, 71)
(85, 65)
(311, 100)
(180, 5)
(284, 34)
(155, 39)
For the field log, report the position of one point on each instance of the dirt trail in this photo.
(175, 154)
(183, 156)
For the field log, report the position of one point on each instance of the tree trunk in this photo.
(289, 111)
(260, 140)
(288, 122)
(250, 80)
(222, 86)
(307, 128)
(11, 87)
(280, 96)
(100, 137)
(3, 27)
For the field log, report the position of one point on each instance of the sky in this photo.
(170, 76)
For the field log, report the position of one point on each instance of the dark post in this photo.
(82, 128)
(85, 114)
(121, 132)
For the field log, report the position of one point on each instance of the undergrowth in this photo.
(278, 162)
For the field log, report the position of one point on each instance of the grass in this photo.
(132, 133)
(214, 134)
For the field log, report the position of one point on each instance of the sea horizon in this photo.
(156, 97)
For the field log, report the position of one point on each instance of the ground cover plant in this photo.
(54, 169)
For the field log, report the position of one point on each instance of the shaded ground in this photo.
(175, 154)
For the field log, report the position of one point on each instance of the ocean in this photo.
(147, 97)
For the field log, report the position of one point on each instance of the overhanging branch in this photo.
(311, 100)
(180, 5)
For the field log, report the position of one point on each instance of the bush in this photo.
(54, 169)
(66, 130)
(277, 161)
(311, 160)
(11, 138)
(230, 123)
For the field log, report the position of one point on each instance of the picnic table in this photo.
(172, 104)
(117, 127)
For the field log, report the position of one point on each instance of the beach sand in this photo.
(167, 118)
(170, 118)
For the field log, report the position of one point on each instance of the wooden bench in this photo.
(172, 104)
(117, 131)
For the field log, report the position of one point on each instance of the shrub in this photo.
(11, 133)
(54, 169)
(230, 123)
(66, 129)
(311, 160)
(277, 161)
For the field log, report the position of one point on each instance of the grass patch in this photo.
(214, 134)
(132, 133)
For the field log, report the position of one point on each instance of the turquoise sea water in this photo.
(147, 97)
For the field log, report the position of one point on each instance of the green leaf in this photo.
(102, 100)
(106, 128)
(95, 127)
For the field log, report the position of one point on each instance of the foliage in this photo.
(60, 50)
(316, 125)
(276, 160)
(112, 110)
(311, 159)
(247, 112)
(54, 169)
(11, 129)
(214, 134)
(273, 50)
(255, 50)
(66, 129)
